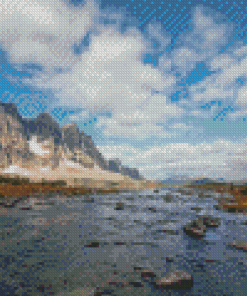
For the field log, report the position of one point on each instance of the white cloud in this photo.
(242, 96)
(222, 85)
(110, 75)
(43, 31)
(143, 123)
(218, 159)
(181, 126)
(83, 115)
(202, 42)
(157, 33)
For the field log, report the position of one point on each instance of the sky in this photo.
(159, 84)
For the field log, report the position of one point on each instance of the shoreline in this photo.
(18, 186)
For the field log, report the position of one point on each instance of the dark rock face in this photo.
(70, 136)
(45, 127)
(116, 166)
(90, 149)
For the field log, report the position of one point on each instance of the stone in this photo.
(93, 245)
(209, 221)
(136, 284)
(195, 229)
(119, 206)
(197, 209)
(153, 210)
(82, 292)
(240, 246)
(176, 280)
(147, 273)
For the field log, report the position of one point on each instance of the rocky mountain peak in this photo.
(70, 125)
(42, 142)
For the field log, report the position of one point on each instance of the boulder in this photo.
(93, 245)
(209, 221)
(119, 206)
(199, 227)
(145, 273)
(176, 280)
(195, 229)
(240, 246)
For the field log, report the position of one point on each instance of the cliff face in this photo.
(115, 165)
(41, 143)
(13, 142)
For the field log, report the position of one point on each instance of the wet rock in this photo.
(82, 292)
(209, 221)
(89, 200)
(239, 245)
(176, 280)
(119, 243)
(120, 283)
(9, 205)
(170, 231)
(136, 284)
(199, 227)
(197, 209)
(147, 273)
(119, 206)
(93, 245)
(104, 292)
(169, 259)
(195, 229)
(26, 208)
(153, 210)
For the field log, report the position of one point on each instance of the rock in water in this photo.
(239, 246)
(210, 221)
(195, 229)
(83, 292)
(119, 206)
(176, 280)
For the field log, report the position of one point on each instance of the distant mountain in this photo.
(177, 179)
(40, 142)
(116, 166)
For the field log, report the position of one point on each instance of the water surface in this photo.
(44, 250)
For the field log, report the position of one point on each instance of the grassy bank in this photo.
(17, 186)
(238, 202)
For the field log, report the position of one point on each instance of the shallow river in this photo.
(45, 244)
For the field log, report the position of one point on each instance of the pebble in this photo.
(82, 292)
(119, 206)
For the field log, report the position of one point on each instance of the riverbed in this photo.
(54, 244)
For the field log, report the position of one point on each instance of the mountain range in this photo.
(40, 148)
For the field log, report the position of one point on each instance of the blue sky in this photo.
(158, 84)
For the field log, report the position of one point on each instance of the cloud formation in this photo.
(44, 31)
(110, 76)
(219, 159)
